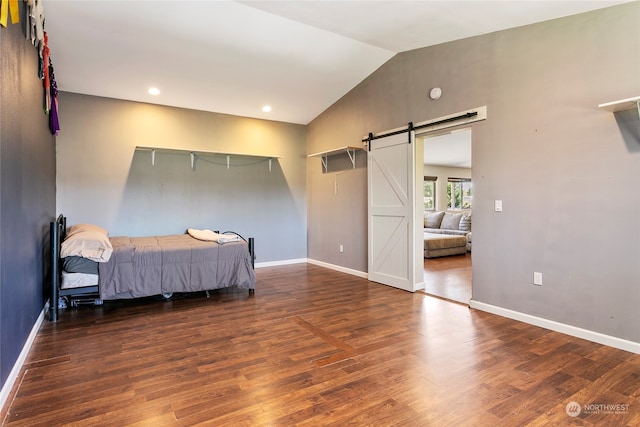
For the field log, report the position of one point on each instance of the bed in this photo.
(88, 264)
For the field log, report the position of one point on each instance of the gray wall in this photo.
(102, 179)
(566, 171)
(27, 202)
(335, 216)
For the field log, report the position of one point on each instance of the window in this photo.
(459, 193)
(429, 192)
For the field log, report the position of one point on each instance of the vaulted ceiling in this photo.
(235, 57)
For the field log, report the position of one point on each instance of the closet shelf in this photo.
(335, 151)
(622, 105)
(194, 153)
(349, 149)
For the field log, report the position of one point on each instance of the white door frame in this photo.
(415, 240)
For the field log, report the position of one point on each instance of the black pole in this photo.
(252, 252)
(55, 274)
(449, 120)
(410, 126)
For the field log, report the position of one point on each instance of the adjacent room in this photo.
(319, 213)
(448, 191)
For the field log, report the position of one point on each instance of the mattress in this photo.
(147, 266)
(78, 280)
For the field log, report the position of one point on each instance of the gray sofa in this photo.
(450, 223)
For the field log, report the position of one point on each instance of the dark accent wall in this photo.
(27, 201)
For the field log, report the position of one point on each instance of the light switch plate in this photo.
(537, 278)
(498, 205)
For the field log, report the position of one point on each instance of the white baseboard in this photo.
(574, 331)
(339, 268)
(15, 371)
(283, 262)
(312, 261)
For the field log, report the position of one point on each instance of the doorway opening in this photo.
(448, 205)
(396, 234)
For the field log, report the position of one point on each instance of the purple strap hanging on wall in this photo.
(54, 123)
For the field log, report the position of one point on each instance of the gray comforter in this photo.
(146, 266)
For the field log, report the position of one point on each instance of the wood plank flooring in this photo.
(315, 347)
(449, 277)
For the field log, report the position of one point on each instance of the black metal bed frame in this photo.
(57, 233)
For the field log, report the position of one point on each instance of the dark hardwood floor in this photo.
(449, 277)
(315, 347)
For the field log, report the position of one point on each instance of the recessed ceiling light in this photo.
(266, 108)
(154, 91)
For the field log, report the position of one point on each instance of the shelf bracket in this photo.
(153, 157)
(270, 160)
(352, 156)
(193, 160)
(324, 160)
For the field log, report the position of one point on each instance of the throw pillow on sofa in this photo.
(433, 219)
(465, 222)
(451, 221)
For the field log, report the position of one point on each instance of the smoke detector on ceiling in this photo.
(435, 93)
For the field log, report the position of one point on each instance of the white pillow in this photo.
(93, 245)
(451, 221)
(85, 227)
(433, 219)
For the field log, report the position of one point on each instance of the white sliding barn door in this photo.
(395, 246)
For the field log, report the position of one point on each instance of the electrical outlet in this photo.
(341, 248)
(537, 278)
